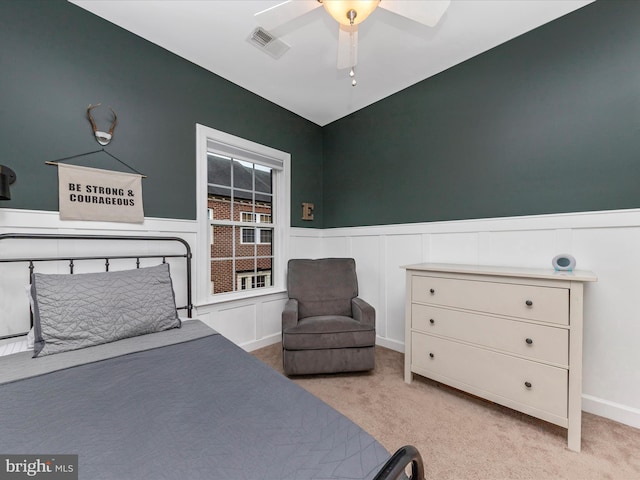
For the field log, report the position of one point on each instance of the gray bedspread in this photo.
(201, 408)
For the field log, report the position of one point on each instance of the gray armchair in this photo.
(326, 328)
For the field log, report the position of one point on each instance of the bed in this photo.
(140, 395)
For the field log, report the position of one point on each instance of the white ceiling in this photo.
(393, 52)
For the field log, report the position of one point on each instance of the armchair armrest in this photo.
(290, 314)
(363, 312)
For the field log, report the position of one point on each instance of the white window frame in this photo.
(241, 149)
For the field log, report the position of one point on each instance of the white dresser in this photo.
(509, 335)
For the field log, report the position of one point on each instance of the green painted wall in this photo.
(548, 122)
(56, 58)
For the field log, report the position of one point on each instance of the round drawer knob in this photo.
(529, 303)
(432, 321)
(527, 384)
(431, 355)
(529, 341)
(432, 291)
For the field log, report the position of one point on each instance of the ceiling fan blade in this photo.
(427, 13)
(347, 46)
(284, 12)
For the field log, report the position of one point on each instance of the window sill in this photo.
(222, 298)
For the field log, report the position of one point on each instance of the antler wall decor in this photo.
(103, 138)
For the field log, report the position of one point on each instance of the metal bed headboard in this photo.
(31, 261)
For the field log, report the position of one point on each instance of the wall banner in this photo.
(99, 195)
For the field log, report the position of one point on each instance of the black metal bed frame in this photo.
(72, 259)
(394, 467)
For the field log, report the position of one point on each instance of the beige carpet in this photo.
(463, 437)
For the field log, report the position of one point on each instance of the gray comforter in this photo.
(198, 409)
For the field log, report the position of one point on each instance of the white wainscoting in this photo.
(14, 306)
(251, 323)
(604, 242)
(607, 243)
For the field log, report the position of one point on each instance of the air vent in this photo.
(262, 37)
(266, 42)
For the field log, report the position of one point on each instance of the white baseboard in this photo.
(390, 344)
(614, 411)
(263, 342)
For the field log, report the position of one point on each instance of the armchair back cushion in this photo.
(323, 286)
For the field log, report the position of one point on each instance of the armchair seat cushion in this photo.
(328, 331)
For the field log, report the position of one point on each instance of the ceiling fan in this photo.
(349, 14)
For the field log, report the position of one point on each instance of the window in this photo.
(256, 235)
(250, 280)
(243, 213)
(255, 217)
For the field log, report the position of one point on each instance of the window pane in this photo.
(219, 205)
(245, 265)
(265, 269)
(222, 242)
(218, 170)
(243, 175)
(242, 200)
(264, 180)
(266, 234)
(222, 277)
(248, 235)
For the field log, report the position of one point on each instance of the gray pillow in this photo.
(81, 310)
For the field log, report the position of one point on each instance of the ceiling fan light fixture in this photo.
(350, 12)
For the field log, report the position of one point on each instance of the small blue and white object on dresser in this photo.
(564, 262)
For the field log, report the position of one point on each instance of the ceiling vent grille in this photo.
(266, 42)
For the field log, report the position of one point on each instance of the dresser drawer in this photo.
(546, 304)
(540, 342)
(526, 382)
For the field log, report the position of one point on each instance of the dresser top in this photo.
(545, 273)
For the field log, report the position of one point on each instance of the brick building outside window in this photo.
(239, 202)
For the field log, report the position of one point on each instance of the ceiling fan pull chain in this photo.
(352, 55)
